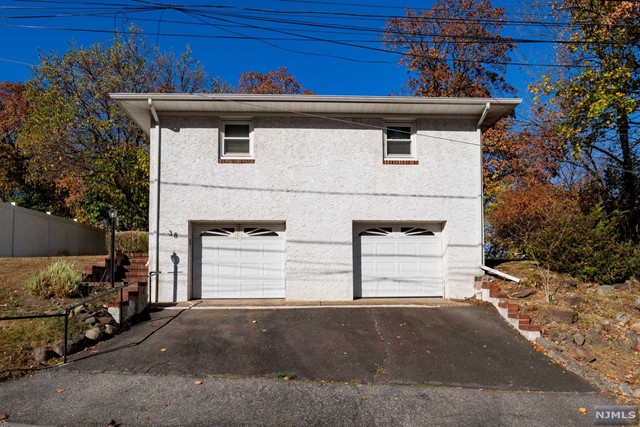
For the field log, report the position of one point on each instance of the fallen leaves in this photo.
(3, 416)
(59, 390)
(583, 410)
(162, 350)
(197, 382)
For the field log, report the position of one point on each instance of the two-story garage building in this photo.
(314, 197)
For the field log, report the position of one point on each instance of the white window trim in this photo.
(413, 154)
(223, 139)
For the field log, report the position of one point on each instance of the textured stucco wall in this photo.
(319, 176)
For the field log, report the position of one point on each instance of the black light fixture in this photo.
(113, 214)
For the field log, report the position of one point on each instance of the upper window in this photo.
(399, 141)
(236, 140)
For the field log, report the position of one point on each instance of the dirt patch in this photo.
(605, 323)
(18, 338)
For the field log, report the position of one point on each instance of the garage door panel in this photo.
(238, 262)
(400, 261)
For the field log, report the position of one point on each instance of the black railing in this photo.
(68, 310)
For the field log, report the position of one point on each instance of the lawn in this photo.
(19, 337)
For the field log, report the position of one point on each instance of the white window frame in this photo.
(412, 154)
(223, 140)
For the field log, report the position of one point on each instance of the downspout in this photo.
(156, 254)
(479, 130)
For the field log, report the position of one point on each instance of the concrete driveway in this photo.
(371, 366)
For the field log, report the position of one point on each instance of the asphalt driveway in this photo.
(453, 346)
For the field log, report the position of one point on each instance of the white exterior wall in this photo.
(319, 177)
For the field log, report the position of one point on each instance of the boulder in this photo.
(106, 320)
(581, 353)
(110, 330)
(90, 320)
(563, 316)
(622, 318)
(594, 339)
(579, 339)
(59, 348)
(94, 334)
(524, 293)
(605, 290)
(42, 354)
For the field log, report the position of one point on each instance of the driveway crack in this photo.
(380, 368)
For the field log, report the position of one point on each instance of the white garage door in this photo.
(400, 261)
(238, 262)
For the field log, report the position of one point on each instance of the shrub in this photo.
(130, 241)
(61, 279)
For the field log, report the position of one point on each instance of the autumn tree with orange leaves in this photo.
(274, 82)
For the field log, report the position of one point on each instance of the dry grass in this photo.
(597, 311)
(19, 337)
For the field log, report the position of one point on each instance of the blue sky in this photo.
(364, 72)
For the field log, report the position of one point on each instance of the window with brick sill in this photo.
(399, 145)
(236, 142)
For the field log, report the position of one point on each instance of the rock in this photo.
(615, 344)
(581, 353)
(523, 293)
(83, 316)
(636, 327)
(90, 320)
(626, 347)
(110, 330)
(633, 339)
(556, 336)
(81, 309)
(622, 286)
(563, 316)
(579, 339)
(605, 290)
(638, 303)
(94, 334)
(622, 318)
(59, 348)
(572, 301)
(42, 354)
(106, 320)
(594, 339)
(636, 393)
(625, 388)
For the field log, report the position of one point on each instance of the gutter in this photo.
(156, 254)
(479, 130)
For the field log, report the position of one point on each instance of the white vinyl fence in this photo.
(27, 233)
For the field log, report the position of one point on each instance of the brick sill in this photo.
(236, 161)
(400, 162)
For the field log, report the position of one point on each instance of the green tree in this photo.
(81, 143)
(597, 97)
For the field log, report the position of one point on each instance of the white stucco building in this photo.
(314, 197)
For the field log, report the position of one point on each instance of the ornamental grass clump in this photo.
(60, 280)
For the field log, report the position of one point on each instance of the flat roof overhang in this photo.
(487, 111)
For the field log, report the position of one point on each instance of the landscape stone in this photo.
(523, 293)
(42, 354)
(622, 318)
(638, 303)
(636, 327)
(633, 339)
(605, 290)
(59, 348)
(615, 345)
(622, 286)
(572, 301)
(79, 309)
(563, 316)
(94, 334)
(594, 339)
(105, 320)
(110, 330)
(626, 347)
(90, 320)
(83, 316)
(625, 388)
(579, 339)
(636, 393)
(556, 336)
(581, 353)
(568, 283)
